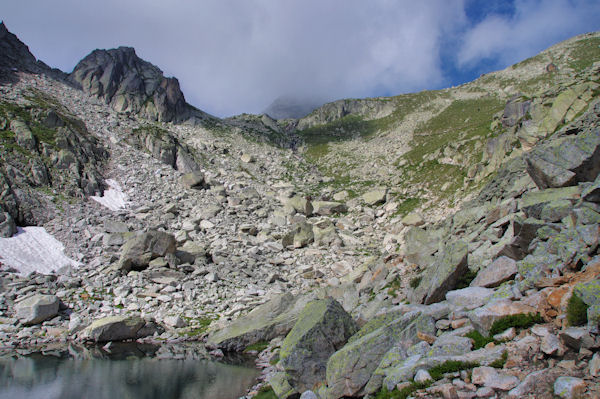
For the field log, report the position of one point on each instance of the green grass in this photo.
(576, 311)
(517, 321)
(259, 346)
(153, 130)
(463, 119)
(407, 206)
(415, 281)
(498, 364)
(201, 325)
(480, 341)
(585, 53)
(465, 279)
(266, 392)
(402, 393)
(393, 286)
(450, 366)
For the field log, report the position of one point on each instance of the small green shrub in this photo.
(576, 311)
(480, 340)
(259, 346)
(415, 281)
(402, 393)
(465, 280)
(266, 392)
(500, 362)
(450, 366)
(517, 321)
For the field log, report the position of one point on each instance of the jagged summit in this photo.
(128, 83)
(15, 55)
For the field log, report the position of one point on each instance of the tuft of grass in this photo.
(393, 286)
(402, 393)
(480, 340)
(498, 364)
(517, 321)
(450, 366)
(259, 346)
(415, 281)
(465, 280)
(266, 392)
(407, 206)
(576, 311)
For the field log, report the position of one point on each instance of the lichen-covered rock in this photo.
(375, 197)
(350, 368)
(483, 318)
(566, 161)
(193, 180)
(323, 327)
(500, 270)
(36, 309)
(114, 328)
(569, 387)
(589, 293)
(524, 231)
(406, 369)
(274, 318)
(137, 253)
(300, 205)
(469, 298)
(326, 208)
(443, 275)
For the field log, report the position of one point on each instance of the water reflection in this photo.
(129, 377)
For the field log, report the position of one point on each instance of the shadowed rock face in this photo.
(128, 83)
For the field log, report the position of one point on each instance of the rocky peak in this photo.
(130, 84)
(14, 54)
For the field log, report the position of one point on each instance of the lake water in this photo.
(123, 377)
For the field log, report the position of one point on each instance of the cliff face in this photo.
(130, 84)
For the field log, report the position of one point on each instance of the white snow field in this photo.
(114, 198)
(33, 249)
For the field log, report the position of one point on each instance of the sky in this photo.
(236, 56)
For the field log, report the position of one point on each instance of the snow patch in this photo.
(33, 249)
(114, 198)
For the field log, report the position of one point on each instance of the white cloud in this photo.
(535, 25)
(237, 56)
(234, 56)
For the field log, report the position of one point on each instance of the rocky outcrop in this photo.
(443, 275)
(322, 328)
(116, 328)
(130, 84)
(272, 319)
(15, 56)
(350, 369)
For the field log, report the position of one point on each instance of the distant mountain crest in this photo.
(128, 83)
(15, 55)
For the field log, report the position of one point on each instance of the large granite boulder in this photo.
(500, 270)
(274, 318)
(322, 328)
(114, 328)
(566, 161)
(442, 275)
(137, 253)
(350, 368)
(36, 309)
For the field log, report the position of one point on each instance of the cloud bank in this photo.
(234, 56)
